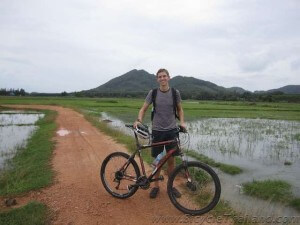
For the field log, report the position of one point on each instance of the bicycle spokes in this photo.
(115, 179)
(197, 186)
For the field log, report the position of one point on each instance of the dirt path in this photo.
(78, 197)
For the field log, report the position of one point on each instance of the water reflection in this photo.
(18, 118)
(11, 139)
(261, 147)
(265, 141)
(15, 129)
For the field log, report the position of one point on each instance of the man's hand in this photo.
(182, 127)
(136, 123)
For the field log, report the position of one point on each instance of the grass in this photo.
(127, 108)
(30, 168)
(226, 168)
(297, 137)
(295, 203)
(273, 190)
(33, 213)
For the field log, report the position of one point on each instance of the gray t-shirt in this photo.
(164, 117)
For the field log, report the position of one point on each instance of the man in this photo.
(164, 121)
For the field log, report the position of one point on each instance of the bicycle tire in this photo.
(199, 195)
(115, 176)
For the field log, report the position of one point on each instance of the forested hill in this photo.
(289, 89)
(132, 81)
(138, 82)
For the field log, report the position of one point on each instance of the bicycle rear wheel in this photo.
(198, 185)
(118, 174)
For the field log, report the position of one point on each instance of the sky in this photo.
(74, 45)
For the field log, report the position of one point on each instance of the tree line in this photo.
(204, 95)
(196, 95)
(13, 92)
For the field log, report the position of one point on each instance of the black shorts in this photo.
(158, 136)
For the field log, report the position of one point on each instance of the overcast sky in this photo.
(73, 45)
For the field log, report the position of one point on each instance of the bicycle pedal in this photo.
(129, 187)
(161, 177)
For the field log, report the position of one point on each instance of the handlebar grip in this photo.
(129, 125)
(182, 129)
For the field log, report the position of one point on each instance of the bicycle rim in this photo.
(199, 188)
(118, 181)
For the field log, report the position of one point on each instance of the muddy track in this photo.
(77, 195)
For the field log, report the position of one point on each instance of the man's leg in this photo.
(154, 191)
(155, 151)
(171, 167)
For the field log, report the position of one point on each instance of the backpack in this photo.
(154, 94)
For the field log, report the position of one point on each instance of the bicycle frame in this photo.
(160, 163)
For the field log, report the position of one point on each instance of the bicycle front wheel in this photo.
(118, 174)
(197, 188)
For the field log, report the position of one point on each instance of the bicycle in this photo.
(197, 183)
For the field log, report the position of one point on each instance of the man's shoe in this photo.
(176, 193)
(154, 192)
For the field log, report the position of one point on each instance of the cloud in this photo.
(83, 44)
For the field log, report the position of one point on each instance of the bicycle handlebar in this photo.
(180, 128)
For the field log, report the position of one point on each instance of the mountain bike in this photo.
(199, 186)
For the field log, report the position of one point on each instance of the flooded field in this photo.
(260, 147)
(264, 149)
(15, 128)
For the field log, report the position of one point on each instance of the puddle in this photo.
(19, 112)
(19, 119)
(259, 146)
(63, 132)
(15, 129)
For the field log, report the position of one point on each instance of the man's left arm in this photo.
(181, 115)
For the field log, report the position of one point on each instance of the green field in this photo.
(127, 109)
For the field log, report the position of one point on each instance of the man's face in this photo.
(163, 78)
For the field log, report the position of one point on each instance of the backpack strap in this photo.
(154, 94)
(174, 97)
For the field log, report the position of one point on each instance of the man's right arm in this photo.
(141, 114)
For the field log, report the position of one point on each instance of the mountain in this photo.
(132, 81)
(140, 82)
(237, 90)
(192, 84)
(137, 83)
(289, 89)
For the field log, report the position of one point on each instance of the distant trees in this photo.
(201, 95)
(185, 94)
(12, 92)
(64, 93)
